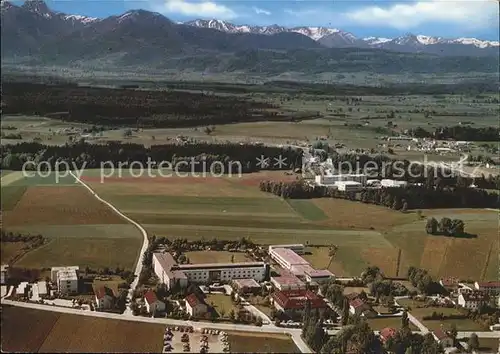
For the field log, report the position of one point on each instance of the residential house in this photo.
(153, 305)
(361, 308)
(195, 306)
(443, 338)
(4, 273)
(105, 298)
(293, 302)
(472, 300)
(386, 334)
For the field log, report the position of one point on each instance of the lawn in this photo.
(44, 331)
(307, 209)
(261, 343)
(461, 324)
(11, 195)
(222, 304)
(196, 257)
(9, 250)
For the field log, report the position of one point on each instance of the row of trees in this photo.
(445, 226)
(7, 236)
(197, 156)
(412, 197)
(458, 132)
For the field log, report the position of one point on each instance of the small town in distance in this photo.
(210, 176)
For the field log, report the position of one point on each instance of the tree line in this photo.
(423, 281)
(198, 156)
(458, 132)
(411, 197)
(126, 107)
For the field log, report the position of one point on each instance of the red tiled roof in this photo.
(102, 291)
(296, 299)
(440, 334)
(150, 297)
(193, 300)
(357, 303)
(387, 333)
(352, 296)
(489, 284)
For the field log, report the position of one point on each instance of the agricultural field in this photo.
(27, 330)
(233, 207)
(261, 343)
(79, 229)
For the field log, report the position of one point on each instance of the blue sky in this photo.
(446, 18)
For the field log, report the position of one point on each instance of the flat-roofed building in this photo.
(287, 258)
(246, 286)
(170, 273)
(349, 186)
(288, 282)
(65, 278)
(318, 276)
(490, 287)
(298, 248)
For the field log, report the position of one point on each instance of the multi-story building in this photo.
(472, 300)
(288, 282)
(65, 278)
(171, 273)
(4, 273)
(294, 301)
(490, 287)
(287, 258)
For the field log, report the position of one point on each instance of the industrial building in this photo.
(170, 273)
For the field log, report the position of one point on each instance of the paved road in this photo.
(294, 333)
(145, 243)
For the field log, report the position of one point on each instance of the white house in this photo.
(104, 298)
(472, 300)
(195, 306)
(4, 273)
(152, 303)
(66, 279)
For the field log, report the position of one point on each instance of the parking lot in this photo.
(188, 340)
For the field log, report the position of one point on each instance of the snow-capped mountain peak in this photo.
(376, 40)
(476, 42)
(79, 18)
(315, 33)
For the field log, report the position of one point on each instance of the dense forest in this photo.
(458, 132)
(139, 108)
(86, 155)
(432, 195)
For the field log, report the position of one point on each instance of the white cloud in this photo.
(259, 11)
(301, 12)
(196, 8)
(471, 13)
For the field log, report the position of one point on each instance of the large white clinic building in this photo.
(170, 273)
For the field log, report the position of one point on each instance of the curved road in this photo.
(145, 243)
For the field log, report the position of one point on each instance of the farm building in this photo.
(247, 286)
(288, 282)
(348, 186)
(472, 300)
(4, 273)
(105, 298)
(152, 303)
(66, 279)
(293, 301)
(491, 287)
(195, 306)
(170, 273)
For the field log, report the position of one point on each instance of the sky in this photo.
(444, 18)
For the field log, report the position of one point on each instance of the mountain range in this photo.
(33, 34)
(336, 38)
